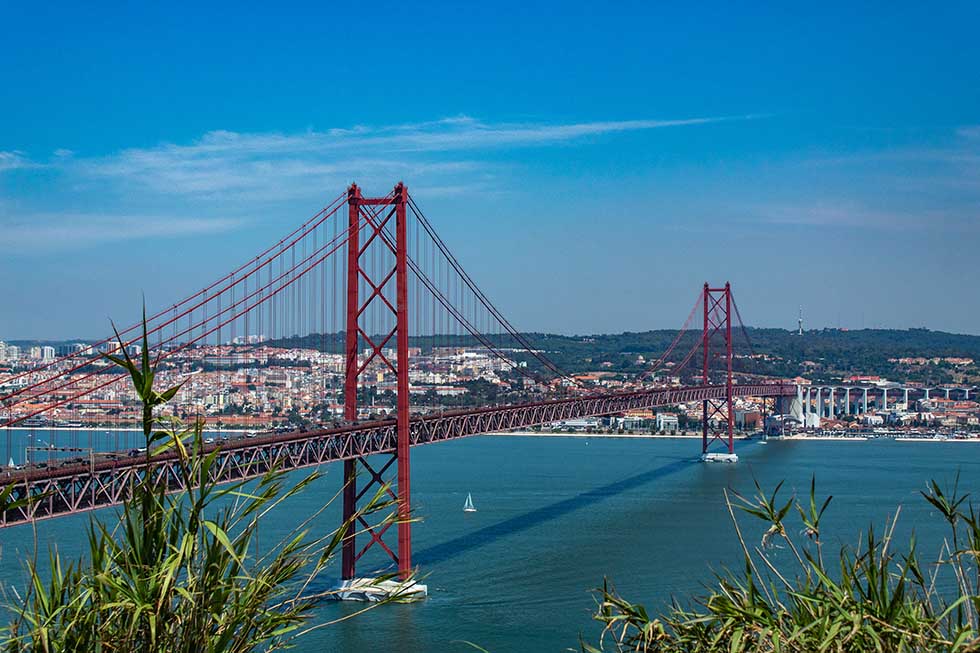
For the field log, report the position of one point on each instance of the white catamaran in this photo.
(468, 506)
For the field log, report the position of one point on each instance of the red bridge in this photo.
(399, 291)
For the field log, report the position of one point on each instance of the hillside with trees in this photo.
(820, 354)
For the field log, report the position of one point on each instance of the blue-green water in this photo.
(556, 515)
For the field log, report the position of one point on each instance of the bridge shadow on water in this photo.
(465, 543)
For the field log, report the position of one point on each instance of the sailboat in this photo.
(468, 506)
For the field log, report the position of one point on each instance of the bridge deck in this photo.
(64, 490)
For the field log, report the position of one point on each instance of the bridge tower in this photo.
(369, 222)
(717, 329)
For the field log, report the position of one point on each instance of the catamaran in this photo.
(468, 506)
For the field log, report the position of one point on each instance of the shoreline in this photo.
(937, 439)
(828, 438)
(740, 438)
(627, 436)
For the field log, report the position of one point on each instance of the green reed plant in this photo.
(181, 571)
(866, 598)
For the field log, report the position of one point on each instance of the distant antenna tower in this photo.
(800, 321)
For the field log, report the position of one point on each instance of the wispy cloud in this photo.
(41, 233)
(225, 173)
(971, 132)
(14, 160)
(461, 132)
(960, 146)
(918, 186)
(244, 175)
(282, 166)
(464, 132)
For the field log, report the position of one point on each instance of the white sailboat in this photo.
(468, 506)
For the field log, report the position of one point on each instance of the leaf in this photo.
(167, 395)
(223, 538)
(128, 364)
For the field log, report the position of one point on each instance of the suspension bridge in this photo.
(369, 286)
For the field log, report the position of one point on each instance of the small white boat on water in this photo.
(468, 506)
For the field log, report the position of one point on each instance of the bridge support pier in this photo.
(717, 326)
(374, 216)
(794, 406)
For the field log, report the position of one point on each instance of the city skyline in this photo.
(731, 149)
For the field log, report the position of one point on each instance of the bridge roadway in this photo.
(59, 491)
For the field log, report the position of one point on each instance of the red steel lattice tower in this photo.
(717, 325)
(374, 222)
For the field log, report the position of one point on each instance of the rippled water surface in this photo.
(556, 515)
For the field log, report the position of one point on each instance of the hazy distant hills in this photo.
(825, 353)
(821, 354)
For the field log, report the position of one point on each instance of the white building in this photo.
(47, 353)
(667, 422)
(900, 417)
(72, 348)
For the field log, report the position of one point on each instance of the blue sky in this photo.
(591, 166)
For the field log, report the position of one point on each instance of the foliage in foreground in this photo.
(870, 598)
(178, 572)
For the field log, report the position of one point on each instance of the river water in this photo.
(557, 515)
